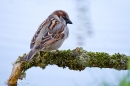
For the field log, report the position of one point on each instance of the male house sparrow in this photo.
(50, 34)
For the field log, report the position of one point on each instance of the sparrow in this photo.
(51, 33)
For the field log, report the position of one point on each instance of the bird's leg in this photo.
(57, 50)
(39, 55)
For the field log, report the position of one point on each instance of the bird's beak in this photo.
(69, 22)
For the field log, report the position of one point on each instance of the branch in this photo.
(77, 59)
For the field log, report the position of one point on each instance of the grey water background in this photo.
(103, 26)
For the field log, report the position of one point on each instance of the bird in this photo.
(51, 33)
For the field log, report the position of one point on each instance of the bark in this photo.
(16, 72)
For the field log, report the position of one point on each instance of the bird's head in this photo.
(63, 16)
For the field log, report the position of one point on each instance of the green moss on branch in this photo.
(77, 59)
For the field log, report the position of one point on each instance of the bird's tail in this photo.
(30, 55)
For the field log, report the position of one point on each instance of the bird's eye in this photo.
(64, 18)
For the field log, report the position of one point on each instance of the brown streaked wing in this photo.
(53, 35)
(36, 34)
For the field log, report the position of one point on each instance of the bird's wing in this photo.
(34, 38)
(37, 33)
(54, 31)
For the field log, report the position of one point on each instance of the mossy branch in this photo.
(77, 59)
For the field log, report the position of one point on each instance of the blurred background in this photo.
(98, 26)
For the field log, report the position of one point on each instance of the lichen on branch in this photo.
(77, 59)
